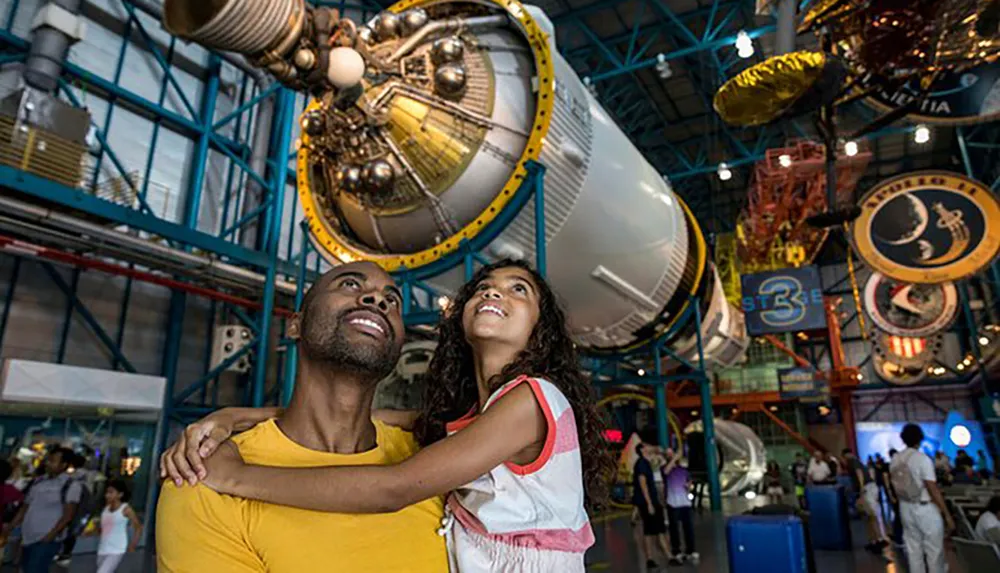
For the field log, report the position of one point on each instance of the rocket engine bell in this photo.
(430, 141)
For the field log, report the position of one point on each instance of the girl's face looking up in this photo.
(504, 309)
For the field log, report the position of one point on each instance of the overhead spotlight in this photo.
(773, 408)
(736, 410)
(851, 148)
(785, 160)
(694, 412)
(750, 495)
(983, 341)
(589, 84)
(860, 377)
(744, 45)
(443, 302)
(967, 361)
(641, 372)
(922, 134)
(663, 67)
(823, 410)
(960, 366)
(724, 172)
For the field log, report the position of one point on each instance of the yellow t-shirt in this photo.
(198, 530)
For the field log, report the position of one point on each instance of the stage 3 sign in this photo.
(783, 301)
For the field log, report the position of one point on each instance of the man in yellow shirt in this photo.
(350, 333)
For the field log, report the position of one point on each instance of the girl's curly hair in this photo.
(451, 389)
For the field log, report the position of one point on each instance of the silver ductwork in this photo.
(201, 265)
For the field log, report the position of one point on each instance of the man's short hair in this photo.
(994, 504)
(846, 451)
(66, 455)
(912, 435)
(638, 447)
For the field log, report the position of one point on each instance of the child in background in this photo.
(113, 528)
(676, 486)
(772, 483)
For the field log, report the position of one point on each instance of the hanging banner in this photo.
(796, 383)
(788, 300)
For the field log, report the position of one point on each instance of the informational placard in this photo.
(801, 384)
(787, 300)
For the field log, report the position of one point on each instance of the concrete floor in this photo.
(616, 550)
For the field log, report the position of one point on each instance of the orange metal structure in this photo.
(789, 186)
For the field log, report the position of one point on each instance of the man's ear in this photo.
(294, 328)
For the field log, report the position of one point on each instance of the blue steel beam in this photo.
(87, 317)
(285, 111)
(15, 273)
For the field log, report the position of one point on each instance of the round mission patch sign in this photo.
(912, 310)
(927, 227)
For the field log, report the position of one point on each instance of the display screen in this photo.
(879, 437)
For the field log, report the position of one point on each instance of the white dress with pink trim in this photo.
(524, 519)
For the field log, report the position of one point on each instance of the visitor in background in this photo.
(48, 510)
(964, 465)
(897, 522)
(983, 464)
(942, 468)
(922, 509)
(988, 525)
(113, 528)
(819, 471)
(79, 474)
(867, 501)
(10, 500)
(799, 469)
(648, 503)
(772, 483)
(677, 485)
(881, 476)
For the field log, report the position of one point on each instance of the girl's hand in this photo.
(223, 467)
(184, 460)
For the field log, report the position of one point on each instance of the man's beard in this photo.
(324, 339)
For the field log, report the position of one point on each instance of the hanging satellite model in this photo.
(910, 310)
(933, 60)
(927, 227)
(928, 59)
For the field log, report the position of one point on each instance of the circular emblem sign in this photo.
(903, 360)
(907, 309)
(927, 227)
(956, 97)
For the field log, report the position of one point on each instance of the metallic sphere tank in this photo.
(458, 107)
(744, 458)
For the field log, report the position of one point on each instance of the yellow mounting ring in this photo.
(341, 250)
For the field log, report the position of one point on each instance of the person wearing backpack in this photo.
(79, 474)
(922, 510)
(48, 510)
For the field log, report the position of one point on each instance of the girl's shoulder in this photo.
(545, 391)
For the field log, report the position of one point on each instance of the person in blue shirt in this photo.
(647, 502)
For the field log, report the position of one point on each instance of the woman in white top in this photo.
(113, 528)
(988, 525)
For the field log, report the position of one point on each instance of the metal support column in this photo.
(708, 418)
(15, 272)
(285, 107)
(291, 346)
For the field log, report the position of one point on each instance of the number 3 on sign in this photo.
(788, 301)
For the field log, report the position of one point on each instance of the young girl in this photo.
(113, 528)
(504, 401)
